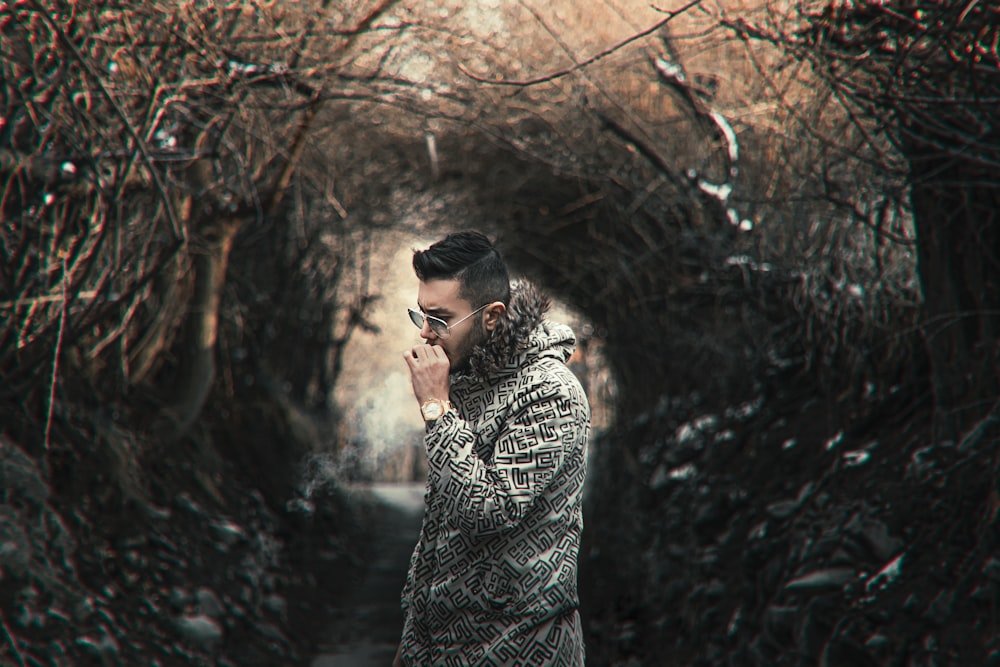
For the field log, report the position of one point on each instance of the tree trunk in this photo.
(958, 258)
(171, 285)
(196, 375)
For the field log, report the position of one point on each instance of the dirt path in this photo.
(367, 630)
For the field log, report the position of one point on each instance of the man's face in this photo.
(440, 299)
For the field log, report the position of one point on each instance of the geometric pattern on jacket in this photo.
(493, 577)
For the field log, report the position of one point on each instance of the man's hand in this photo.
(429, 367)
(398, 660)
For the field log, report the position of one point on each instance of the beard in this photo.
(461, 355)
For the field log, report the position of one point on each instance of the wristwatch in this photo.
(433, 408)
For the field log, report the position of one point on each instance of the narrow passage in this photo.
(369, 622)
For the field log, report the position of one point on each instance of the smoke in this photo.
(384, 430)
(382, 425)
(387, 416)
(320, 473)
(387, 427)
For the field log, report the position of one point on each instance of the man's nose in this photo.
(426, 332)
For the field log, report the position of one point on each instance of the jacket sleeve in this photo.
(547, 420)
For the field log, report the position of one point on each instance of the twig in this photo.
(179, 230)
(49, 298)
(117, 331)
(10, 640)
(979, 430)
(589, 61)
(55, 360)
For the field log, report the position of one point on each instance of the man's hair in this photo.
(470, 258)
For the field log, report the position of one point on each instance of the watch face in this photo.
(432, 410)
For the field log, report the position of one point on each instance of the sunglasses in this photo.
(439, 327)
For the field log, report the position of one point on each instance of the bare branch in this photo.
(558, 74)
(179, 231)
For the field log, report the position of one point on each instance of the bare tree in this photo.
(140, 144)
(921, 83)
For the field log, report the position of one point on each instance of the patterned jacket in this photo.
(493, 577)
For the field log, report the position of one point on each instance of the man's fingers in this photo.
(425, 353)
(413, 355)
(429, 367)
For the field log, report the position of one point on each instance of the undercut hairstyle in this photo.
(470, 258)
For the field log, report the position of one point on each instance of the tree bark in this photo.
(157, 336)
(958, 259)
(197, 372)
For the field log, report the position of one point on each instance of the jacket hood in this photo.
(522, 335)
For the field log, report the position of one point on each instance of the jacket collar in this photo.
(511, 337)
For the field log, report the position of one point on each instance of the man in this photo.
(493, 578)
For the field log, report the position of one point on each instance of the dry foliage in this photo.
(175, 172)
(919, 84)
(141, 143)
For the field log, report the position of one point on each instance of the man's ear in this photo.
(492, 314)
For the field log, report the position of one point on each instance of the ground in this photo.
(366, 624)
(786, 530)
